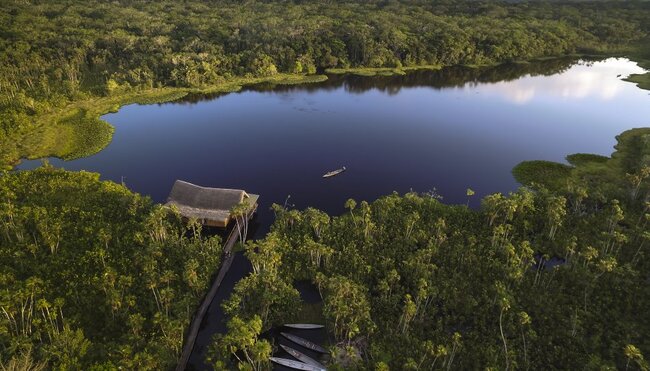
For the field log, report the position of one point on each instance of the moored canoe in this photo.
(295, 364)
(302, 357)
(304, 326)
(304, 342)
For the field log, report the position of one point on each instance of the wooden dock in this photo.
(228, 257)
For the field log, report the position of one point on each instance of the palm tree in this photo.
(241, 213)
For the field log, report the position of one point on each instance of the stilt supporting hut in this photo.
(210, 206)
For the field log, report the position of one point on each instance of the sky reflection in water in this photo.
(595, 80)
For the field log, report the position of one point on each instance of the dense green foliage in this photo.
(540, 279)
(55, 54)
(92, 274)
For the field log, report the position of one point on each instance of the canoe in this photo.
(303, 326)
(302, 357)
(295, 364)
(335, 172)
(305, 343)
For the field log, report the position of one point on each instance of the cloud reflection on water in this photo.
(600, 80)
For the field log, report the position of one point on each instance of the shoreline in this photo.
(77, 130)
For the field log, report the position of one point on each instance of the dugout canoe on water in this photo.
(334, 172)
(302, 357)
(304, 342)
(211, 206)
(295, 364)
(304, 326)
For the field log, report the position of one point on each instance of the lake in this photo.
(446, 130)
(442, 131)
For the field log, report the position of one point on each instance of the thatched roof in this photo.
(210, 205)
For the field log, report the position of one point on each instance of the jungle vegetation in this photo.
(553, 276)
(64, 63)
(93, 276)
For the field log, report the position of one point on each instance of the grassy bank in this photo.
(551, 174)
(77, 130)
(381, 71)
(630, 152)
(641, 55)
(641, 80)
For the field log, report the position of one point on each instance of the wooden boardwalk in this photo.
(200, 313)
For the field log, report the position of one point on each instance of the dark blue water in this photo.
(446, 130)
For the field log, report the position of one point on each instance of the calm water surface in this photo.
(446, 130)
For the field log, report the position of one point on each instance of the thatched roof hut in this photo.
(211, 206)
